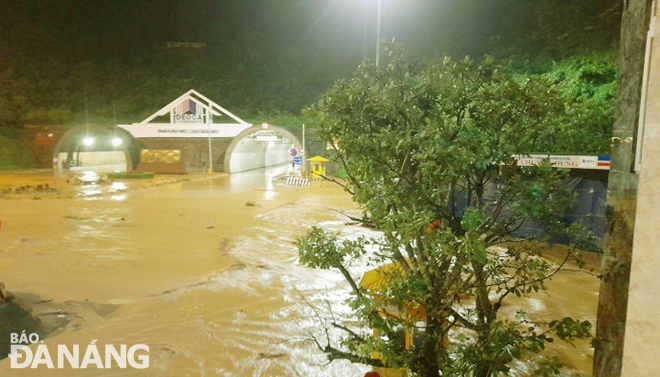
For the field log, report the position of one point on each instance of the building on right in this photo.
(642, 336)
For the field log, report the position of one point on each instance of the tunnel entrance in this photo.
(94, 148)
(260, 147)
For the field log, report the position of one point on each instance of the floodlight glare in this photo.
(116, 141)
(88, 141)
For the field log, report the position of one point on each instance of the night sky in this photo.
(263, 46)
(121, 28)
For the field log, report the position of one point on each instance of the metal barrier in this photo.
(295, 181)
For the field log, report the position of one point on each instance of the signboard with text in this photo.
(569, 162)
(185, 130)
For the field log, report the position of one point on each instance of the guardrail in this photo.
(295, 181)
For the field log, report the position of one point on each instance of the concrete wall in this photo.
(642, 342)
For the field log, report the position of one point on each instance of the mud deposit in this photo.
(211, 284)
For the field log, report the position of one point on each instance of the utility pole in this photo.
(86, 112)
(622, 193)
(304, 154)
(378, 27)
(364, 30)
(208, 123)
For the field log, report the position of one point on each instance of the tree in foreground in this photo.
(429, 156)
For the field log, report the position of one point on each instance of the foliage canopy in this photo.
(428, 154)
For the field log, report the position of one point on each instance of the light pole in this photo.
(378, 24)
(365, 30)
(304, 154)
(208, 122)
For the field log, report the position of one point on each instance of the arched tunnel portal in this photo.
(96, 148)
(260, 147)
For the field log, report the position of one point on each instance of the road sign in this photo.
(565, 161)
(297, 160)
(293, 152)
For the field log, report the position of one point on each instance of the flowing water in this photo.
(211, 284)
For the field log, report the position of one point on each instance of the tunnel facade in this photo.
(193, 133)
(260, 147)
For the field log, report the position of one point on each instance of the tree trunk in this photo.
(428, 359)
(622, 193)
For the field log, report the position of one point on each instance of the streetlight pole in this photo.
(378, 27)
(365, 31)
(304, 154)
(208, 122)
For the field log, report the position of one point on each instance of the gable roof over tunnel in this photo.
(258, 147)
(191, 115)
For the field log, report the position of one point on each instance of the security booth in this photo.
(375, 282)
(317, 166)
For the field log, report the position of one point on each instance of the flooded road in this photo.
(211, 284)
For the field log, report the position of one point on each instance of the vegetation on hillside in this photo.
(109, 63)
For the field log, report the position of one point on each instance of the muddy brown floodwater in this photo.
(211, 284)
